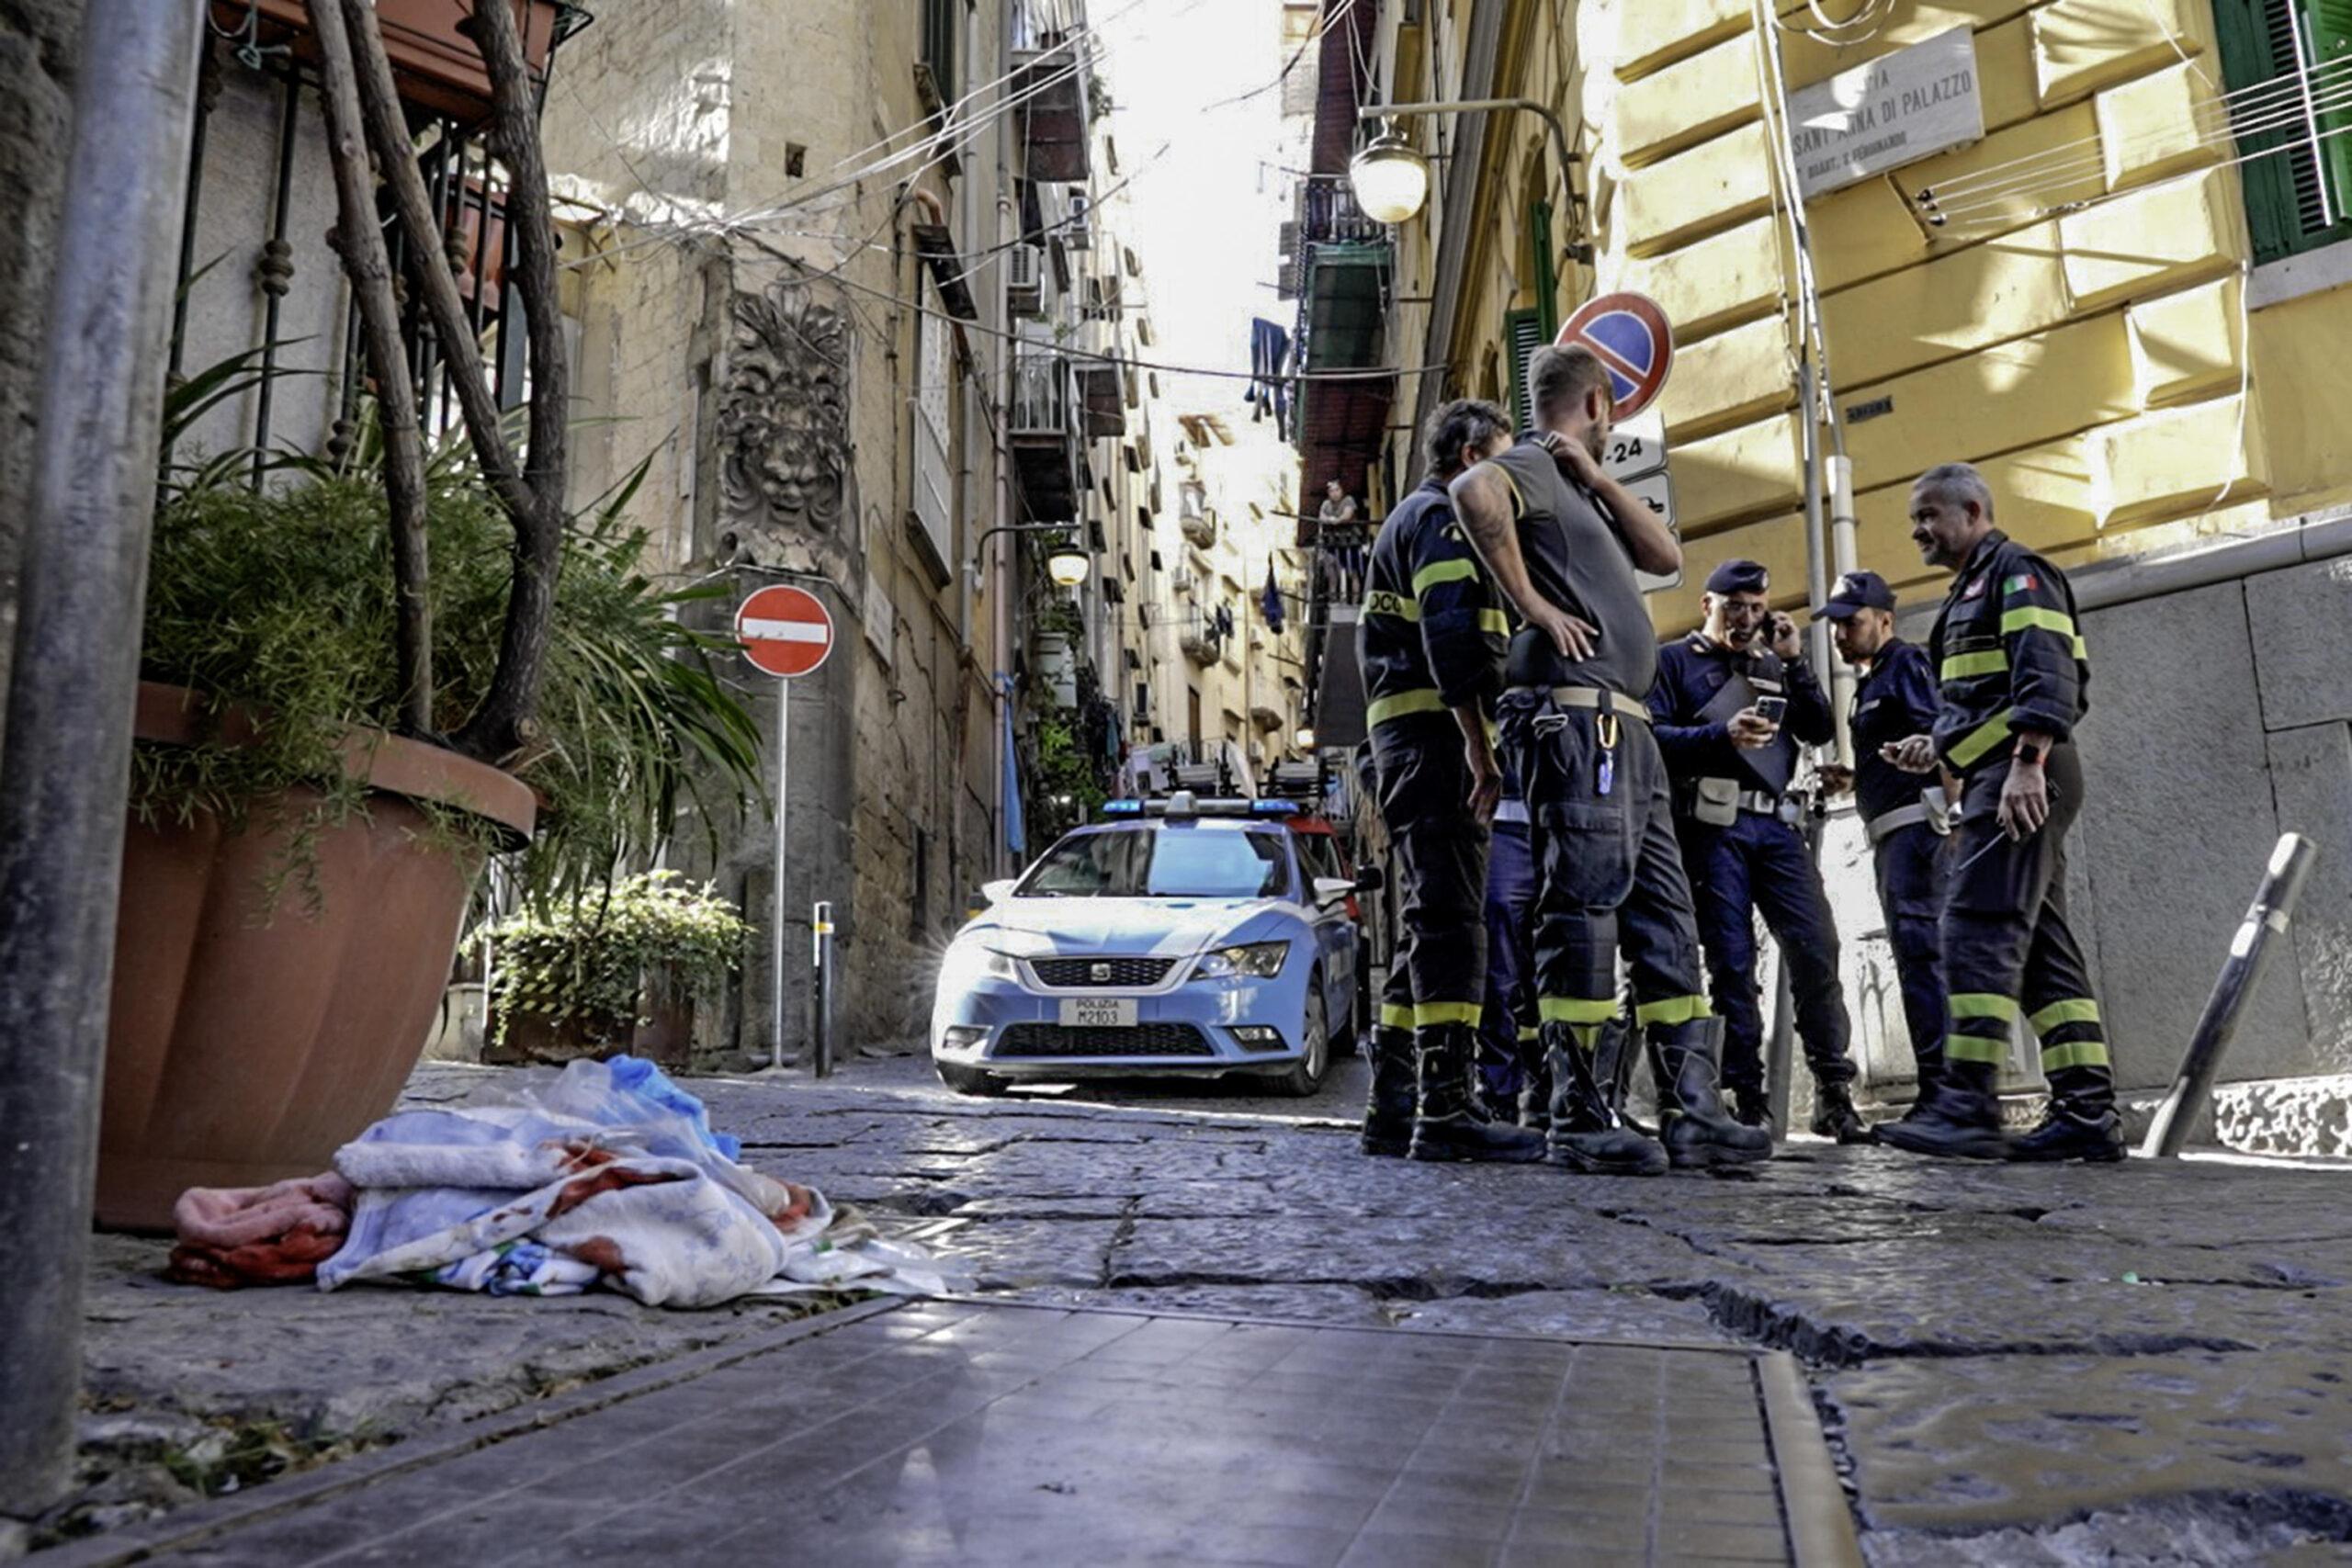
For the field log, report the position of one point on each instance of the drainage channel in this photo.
(972, 1431)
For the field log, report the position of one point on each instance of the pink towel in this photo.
(227, 1217)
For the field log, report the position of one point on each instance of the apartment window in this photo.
(939, 44)
(2298, 194)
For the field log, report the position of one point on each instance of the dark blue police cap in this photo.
(1857, 591)
(1739, 577)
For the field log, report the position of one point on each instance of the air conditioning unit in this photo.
(1024, 290)
(1186, 581)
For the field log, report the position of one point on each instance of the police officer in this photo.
(1510, 1062)
(1564, 546)
(1732, 701)
(1430, 640)
(2012, 668)
(1895, 699)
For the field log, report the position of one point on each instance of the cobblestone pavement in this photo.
(2012, 1364)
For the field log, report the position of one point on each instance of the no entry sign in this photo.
(785, 631)
(1633, 340)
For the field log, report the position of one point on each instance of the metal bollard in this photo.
(821, 958)
(2274, 905)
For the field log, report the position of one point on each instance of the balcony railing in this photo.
(1327, 214)
(1041, 399)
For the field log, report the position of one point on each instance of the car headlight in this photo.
(1257, 961)
(966, 964)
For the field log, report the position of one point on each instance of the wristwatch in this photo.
(2038, 753)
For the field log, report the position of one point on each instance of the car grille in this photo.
(1076, 974)
(1144, 1039)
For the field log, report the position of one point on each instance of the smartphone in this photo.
(1771, 710)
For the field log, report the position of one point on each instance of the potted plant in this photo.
(364, 678)
(616, 968)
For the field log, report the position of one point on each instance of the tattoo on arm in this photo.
(1483, 503)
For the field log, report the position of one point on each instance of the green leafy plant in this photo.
(1067, 783)
(603, 956)
(277, 605)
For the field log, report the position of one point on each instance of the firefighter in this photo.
(2012, 668)
(1563, 540)
(1733, 700)
(1510, 1061)
(1895, 699)
(1430, 641)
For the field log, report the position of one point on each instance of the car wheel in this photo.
(1305, 1077)
(968, 1080)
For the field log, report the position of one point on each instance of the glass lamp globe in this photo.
(1391, 180)
(1068, 566)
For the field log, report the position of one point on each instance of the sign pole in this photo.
(776, 922)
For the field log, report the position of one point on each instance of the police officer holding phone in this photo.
(1732, 702)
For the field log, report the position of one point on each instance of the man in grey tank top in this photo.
(1564, 540)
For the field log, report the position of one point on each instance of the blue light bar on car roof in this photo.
(1122, 808)
(1274, 808)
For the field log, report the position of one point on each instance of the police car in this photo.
(1184, 936)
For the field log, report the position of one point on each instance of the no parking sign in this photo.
(1634, 341)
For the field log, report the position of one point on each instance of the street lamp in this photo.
(1391, 179)
(1066, 566)
(1305, 738)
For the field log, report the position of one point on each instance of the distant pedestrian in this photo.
(1563, 540)
(1904, 815)
(2013, 669)
(1733, 702)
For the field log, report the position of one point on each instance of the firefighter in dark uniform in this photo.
(1563, 540)
(1430, 641)
(1510, 1061)
(1903, 814)
(2012, 668)
(1733, 700)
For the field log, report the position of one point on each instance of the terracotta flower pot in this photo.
(246, 1047)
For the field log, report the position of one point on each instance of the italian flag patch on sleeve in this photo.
(2023, 583)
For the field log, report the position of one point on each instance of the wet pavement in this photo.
(2026, 1364)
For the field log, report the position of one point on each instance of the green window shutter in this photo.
(1547, 275)
(1522, 335)
(2295, 201)
(2331, 49)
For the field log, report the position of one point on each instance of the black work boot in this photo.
(1586, 1132)
(1535, 1098)
(1388, 1110)
(1446, 1123)
(1957, 1119)
(1698, 1129)
(1750, 1107)
(2081, 1122)
(1834, 1115)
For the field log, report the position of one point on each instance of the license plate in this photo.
(1098, 1012)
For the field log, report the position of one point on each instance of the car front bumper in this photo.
(1200, 1027)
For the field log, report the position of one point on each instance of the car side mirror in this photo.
(1332, 889)
(996, 892)
(1370, 879)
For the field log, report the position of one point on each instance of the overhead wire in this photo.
(2258, 100)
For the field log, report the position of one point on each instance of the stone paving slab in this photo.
(976, 1433)
(1948, 1316)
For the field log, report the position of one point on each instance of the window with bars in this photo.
(2288, 64)
(1522, 335)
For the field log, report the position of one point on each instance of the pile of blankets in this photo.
(607, 1175)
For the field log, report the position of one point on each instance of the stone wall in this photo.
(38, 42)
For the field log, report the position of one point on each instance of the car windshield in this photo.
(1161, 862)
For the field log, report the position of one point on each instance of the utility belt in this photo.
(1717, 803)
(1930, 809)
(1594, 699)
